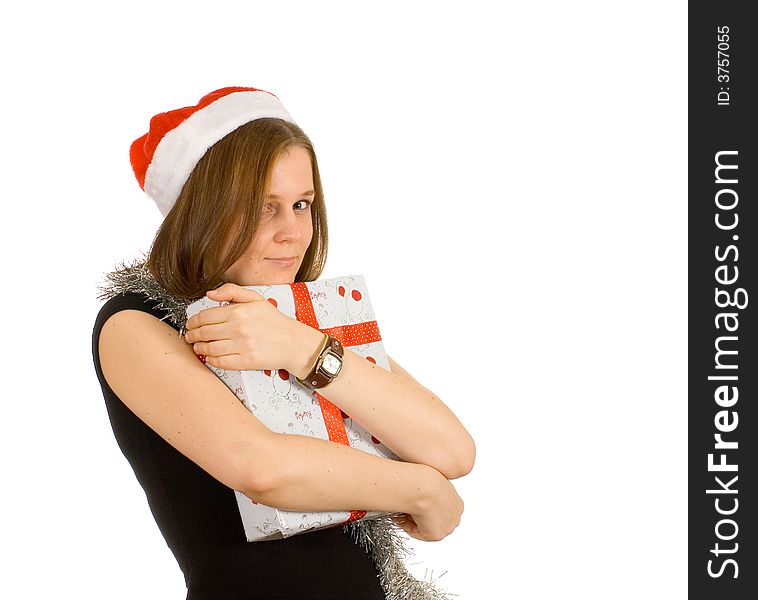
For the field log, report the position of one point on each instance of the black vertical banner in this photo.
(723, 300)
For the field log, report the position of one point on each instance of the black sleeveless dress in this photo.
(199, 518)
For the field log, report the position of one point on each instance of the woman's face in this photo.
(285, 229)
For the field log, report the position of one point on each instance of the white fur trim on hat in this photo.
(181, 148)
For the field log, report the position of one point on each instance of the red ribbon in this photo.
(348, 335)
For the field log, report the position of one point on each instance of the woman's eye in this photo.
(301, 205)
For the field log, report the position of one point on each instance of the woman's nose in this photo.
(288, 227)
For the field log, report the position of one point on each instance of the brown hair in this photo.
(218, 210)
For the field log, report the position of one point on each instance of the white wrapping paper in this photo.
(284, 406)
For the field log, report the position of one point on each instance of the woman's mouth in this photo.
(283, 262)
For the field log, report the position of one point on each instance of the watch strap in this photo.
(318, 378)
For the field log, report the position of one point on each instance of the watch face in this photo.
(331, 364)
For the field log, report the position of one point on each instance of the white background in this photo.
(511, 182)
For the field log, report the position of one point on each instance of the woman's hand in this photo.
(440, 513)
(249, 334)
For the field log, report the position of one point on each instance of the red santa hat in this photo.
(164, 157)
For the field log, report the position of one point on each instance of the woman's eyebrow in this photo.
(275, 197)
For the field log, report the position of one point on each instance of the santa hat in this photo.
(164, 157)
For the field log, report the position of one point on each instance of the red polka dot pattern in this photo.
(356, 515)
(356, 334)
(348, 335)
(304, 312)
(333, 421)
(303, 305)
(356, 295)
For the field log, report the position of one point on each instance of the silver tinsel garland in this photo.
(380, 537)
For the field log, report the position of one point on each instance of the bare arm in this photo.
(157, 375)
(395, 408)
(312, 474)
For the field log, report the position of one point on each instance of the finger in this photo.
(402, 524)
(228, 362)
(213, 349)
(231, 292)
(413, 531)
(209, 316)
(208, 333)
(407, 524)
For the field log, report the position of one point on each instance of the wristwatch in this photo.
(328, 364)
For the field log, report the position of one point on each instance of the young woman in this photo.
(238, 184)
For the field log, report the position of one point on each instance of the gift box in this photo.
(340, 307)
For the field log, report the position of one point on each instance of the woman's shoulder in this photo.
(129, 301)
